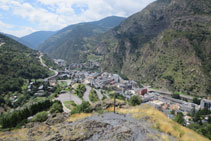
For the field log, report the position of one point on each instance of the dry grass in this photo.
(76, 117)
(20, 134)
(161, 122)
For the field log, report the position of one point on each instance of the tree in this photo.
(40, 117)
(209, 119)
(135, 100)
(176, 96)
(83, 108)
(180, 118)
(56, 107)
(196, 101)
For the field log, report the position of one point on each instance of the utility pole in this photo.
(115, 103)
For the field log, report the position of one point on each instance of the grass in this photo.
(63, 84)
(20, 134)
(69, 104)
(162, 123)
(79, 116)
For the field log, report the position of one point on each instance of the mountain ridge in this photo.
(36, 38)
(70, 42)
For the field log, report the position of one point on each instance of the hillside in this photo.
(74, 42)
(17, 64)
(131, 123)
(20, 40)
(37, 38)
(166, 45)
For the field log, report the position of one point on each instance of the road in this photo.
(169, 93)
(100, 96)
(68, 97)
(86, 94)
(44, 65)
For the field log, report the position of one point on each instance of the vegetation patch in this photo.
(56, 107)
(69, 104)
(82, 108)
(79, 116)
(135, 100)
(79, 91)
(93, 95)
(40, 117)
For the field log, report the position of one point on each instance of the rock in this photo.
(104, 127)
(57, 119)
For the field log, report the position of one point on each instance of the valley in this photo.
(142, 75)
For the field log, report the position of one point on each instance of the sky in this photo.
(22, 17)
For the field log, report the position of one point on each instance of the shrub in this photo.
(180, 118)
(196, 100)
(135, 100)
(56, 107)
(40, 117)
(83, 108)
(93, 95)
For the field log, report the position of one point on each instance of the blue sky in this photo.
(22, 17)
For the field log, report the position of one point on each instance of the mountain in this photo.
(20, 40)
(36, 38)
(75, 41)
(166, 45)
(18, 63)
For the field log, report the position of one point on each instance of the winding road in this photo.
(100, 96)
(86, 94)
(44, 65)
(68, 97)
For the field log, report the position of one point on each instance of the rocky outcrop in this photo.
(104, 127)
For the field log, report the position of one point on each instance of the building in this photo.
(60, 62)
(142, 91)
(205, 104)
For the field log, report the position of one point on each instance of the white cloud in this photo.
(19, 32)
(5, 26)
(56, 14)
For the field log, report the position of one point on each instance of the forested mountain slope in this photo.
(166, 45)
(37, 38)
(74, 42)
(17, 64)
